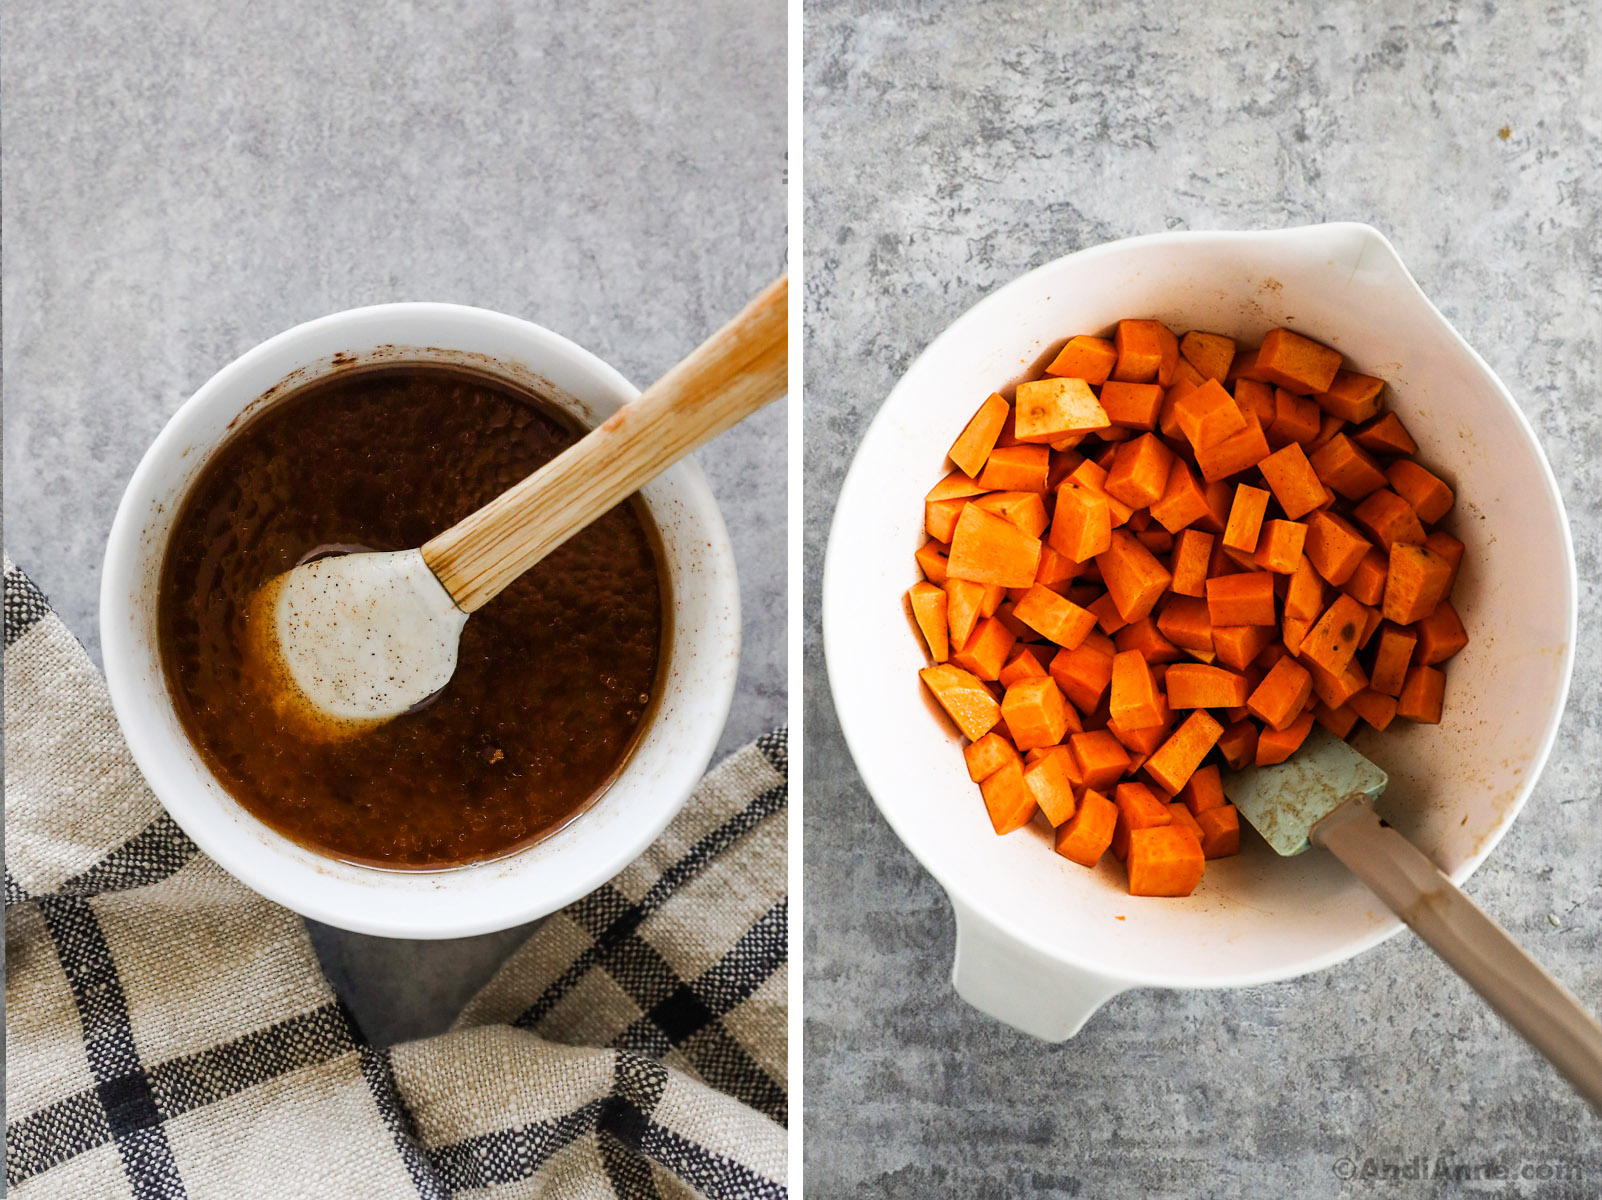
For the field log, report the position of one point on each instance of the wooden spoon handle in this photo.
(736, 371)
(1472, 944)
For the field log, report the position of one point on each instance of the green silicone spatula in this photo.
(1324, 797)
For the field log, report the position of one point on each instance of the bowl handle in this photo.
(1016, 984)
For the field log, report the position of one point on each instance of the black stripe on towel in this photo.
(611, 919)
(25, 604)
(121, 1082)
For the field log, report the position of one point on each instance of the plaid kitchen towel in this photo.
(170, 1034)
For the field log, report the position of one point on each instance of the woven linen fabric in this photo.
(170, 1034)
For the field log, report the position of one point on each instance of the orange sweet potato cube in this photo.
(986, 548)
(1376, 708)
(1204, 790)
(1008, 799)
(1017, 468)
(1449, 548)
(1389, 519)
(1138, 808)
(1385, 434)
(1054, 616)
(1186, 380)
(1165, 860)
(1132, 405)
(1257, 399)
(1135, 702)
(940, 517)
(1051, 788)
(965, 698)
(1346, 469)
(1328, 427)
(1416, 582)
(1440, 635)
(1092, 475)
(1334, 547)
(987, 756)
(1196, 685)
(1147, 352)
(1107, 618)
(1141, 742)
(1176, 760)
(1139, 473)
(1182, 816)
(963, 600)
(1193, 549)
(1338, 721)
(1186, 623)
(1335, 690)
(1296, 363)
(1245, 518)
(1144, 635)
(1296, 419)
(1035, 712)
(1208, 415)
(1422, 695)
(1210, 353)
(931, 558)
(1220, 831)
(1244, 367)
(1183, 501)
(1279, 546)
(1350, 396)
(986, 650)
(1244, 599)
(1236, 453)
(1426, 492)
(1048, 409)
(1134, 577)
(1056, 568)
(1335, 636)
(1290, 476)
(1088, 358)
(978, 437)
(928, 604)
(955, 486)
(1083, 673)
(1283, 693)
(1276, 745)
(1085, 838)
(1367, 582)
(1101, 756)
(1081, 528)
(1026, 510)
(1292, 633)
(1238, 744)
(1026, 662)
(1392, 658)
(1304, 596)
(1237, 645)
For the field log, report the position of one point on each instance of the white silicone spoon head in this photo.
(353, 641)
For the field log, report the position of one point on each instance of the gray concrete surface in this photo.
(950, 147)
(182, 180)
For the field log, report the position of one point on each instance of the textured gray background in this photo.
(950, 147)
(182, 180)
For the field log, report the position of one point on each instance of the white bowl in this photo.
(668, 760)
(1042, 942)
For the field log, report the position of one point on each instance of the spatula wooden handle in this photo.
(1472, 944)
(736, 371)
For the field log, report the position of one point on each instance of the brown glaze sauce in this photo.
(554, 677)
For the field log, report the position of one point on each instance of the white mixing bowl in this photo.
(668, 760)
(1042, 942)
